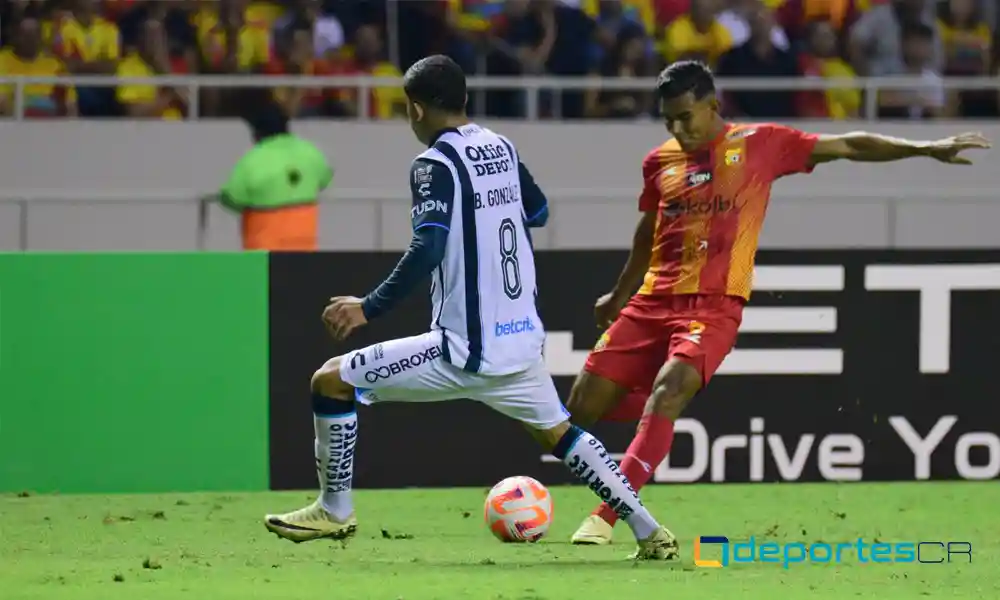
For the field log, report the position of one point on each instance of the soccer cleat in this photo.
(662, 545)
(594, 531)
(310, 523)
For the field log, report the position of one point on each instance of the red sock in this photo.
(651, 444)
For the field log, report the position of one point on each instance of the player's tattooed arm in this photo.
(433, 189)
(533, 200)
(872, 147)
(638, 258)
(607, 306)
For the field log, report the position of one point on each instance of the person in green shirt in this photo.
(275, 186)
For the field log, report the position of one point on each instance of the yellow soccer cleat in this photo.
(594, 531)
(311, 523)
(662, 545)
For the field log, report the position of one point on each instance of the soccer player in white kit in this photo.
(473, 201)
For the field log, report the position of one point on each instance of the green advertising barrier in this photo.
(133, 372)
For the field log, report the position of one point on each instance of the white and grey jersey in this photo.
(483, 292)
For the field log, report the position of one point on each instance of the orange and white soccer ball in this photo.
(519, 509)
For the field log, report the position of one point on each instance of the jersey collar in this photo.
(715, 141)
(437, 135)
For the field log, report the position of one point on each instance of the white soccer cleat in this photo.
(661, 545)
(311, 523)
(594, 531)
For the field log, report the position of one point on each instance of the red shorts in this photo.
(697, 329)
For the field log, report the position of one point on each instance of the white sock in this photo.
(587, 458)
(336, 436)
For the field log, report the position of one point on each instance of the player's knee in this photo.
(586, 403)
(675, 387)
(328, 382)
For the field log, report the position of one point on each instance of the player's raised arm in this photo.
(433, 189)
(872, 147)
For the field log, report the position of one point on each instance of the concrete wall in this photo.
(131, 185)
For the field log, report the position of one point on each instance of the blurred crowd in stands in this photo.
(926, 39)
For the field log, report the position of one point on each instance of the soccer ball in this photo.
(519, 509)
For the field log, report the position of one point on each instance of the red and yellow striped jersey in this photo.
(710, 206)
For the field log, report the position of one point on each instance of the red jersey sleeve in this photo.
(789, 150)
(649, 199)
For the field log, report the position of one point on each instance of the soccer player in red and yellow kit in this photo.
(704, 196)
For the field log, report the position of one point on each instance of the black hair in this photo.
(436, 82)
(685, 76)
(918, 31)
(259, 109)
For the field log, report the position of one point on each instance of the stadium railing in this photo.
(533, 87)
(889, 237)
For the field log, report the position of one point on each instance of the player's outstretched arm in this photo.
(872, 147)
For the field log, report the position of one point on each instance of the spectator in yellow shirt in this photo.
(367, 58)
(25, 57)
(968, 51)
(264, 14)
(966, 37)
(821, 60)
(87, 42)
(697, 35)
(231, 42)
(228, 42)
(149, 59)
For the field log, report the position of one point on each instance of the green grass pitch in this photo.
(423, 544)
